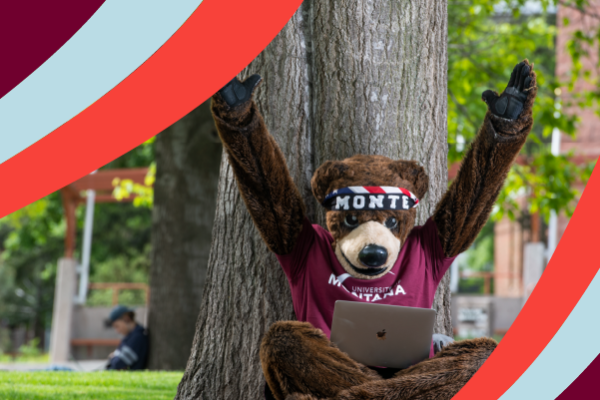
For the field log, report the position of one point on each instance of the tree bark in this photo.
(343, 77)
(380, 87)
(188, 155)
(246, 290)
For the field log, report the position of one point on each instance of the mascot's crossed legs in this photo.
(371, 251)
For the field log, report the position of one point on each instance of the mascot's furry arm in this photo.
(259, 166)
(466, 206)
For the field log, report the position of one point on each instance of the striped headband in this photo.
(370, 198)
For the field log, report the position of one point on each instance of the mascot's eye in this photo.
(351, 221)
(391, 223)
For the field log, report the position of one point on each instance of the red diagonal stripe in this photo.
(218, 40)
(564, 281)
(374, 189)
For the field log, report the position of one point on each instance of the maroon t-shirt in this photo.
(317, 279)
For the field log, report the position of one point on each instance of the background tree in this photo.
(341, 78)
(188, 155)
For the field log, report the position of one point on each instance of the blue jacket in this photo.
(132, 352)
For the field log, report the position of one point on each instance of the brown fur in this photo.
(261, 173)
(300, 363)
(467, 204)
(296, 357)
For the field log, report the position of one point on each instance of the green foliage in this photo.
(125, 188)
(144, 194)
(120, 230)
(483, 49)
(112, 385)
(548, 181)
(484, 46)
(480, 257)
(31, 349)
(120, 251)
(581, 46)
(31, 241)
(121, 268)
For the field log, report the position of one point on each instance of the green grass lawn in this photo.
(55, 385)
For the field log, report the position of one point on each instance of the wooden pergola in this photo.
(102, 183)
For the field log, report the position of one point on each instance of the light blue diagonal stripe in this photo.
(114, 42)
(567, 355)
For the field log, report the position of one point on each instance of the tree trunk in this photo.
(343, 77)
(187, 168)
(379, 87)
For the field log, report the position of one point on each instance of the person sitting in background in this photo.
(132, 352)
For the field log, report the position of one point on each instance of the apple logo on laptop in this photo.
(381, 335)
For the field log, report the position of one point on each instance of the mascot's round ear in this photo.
(326, 176)
(412, 172)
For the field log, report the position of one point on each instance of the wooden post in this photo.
(486, 284)
(533, 267)
(115, 295)
(70, 199)
(101, 182)
(62, 315)
(535, 227)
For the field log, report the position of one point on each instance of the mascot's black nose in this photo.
(373, 256)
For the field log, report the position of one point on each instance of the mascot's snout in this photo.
(369, 251)
(373, 255)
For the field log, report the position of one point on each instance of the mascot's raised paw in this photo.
(236, 93)
(509, 105)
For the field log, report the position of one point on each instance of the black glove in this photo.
(440, 341)
(236, 92)
(510, 103)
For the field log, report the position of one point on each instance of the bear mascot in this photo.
(371, 251)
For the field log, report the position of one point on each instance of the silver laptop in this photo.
(382, 335)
